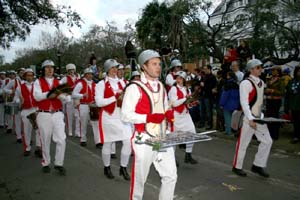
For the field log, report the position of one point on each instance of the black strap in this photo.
(251, 103)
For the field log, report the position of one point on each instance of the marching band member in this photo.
(135, 76)
(170, 79)
(145, 104)
(85, 91)
(251, 97)
(10, 89)
(71, 79)
(121, 73)
(50, 118)
(2, 84)
(24, 94)
(112, 129)
(178, 95)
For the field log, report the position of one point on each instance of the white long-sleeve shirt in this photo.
(173, 97)
(39, 95)
(65, 80)
(245, 88)
(76, 92)
(132, 97)
(170, 80)
(8, 89)
(99, 92)
(37, 90)
(18, 94)
(239, 75)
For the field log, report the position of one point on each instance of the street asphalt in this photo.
(211, 179)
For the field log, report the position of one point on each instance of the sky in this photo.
(92, 12)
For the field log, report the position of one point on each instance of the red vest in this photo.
(70, 81)
(7, 81)
(108, 92)
(142, 107)
(181, 107)
(90, 98)
(47, 104)
(27, 95)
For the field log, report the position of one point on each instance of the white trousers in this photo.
(2, 120)
(70, 117)
(77, 122)
(18, 125)
(84, 111)
(95, 126)
(263, 136)
(27, 130)
(164, 163)
(125, 153)
(113, 148)
(52, 126)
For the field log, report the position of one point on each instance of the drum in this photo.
(12, 108)
(94, 112)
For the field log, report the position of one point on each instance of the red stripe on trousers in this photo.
(79, 123)
(132, 169)
(100, 126)
(237, 149)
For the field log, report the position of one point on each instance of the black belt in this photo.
(50, 111)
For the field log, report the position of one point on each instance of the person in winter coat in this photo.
(292, 105)
(230, 99)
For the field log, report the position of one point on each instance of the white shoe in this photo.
(70, 134)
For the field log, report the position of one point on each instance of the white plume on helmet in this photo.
(253, 63)
(70, 66)
(110, 63)
(147, 55)
(182, 74)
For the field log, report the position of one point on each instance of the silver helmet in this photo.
(147, 55)
(110, 63)
(253, 63)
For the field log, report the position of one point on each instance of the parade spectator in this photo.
(229, 57)
(230, 99)
(207, 85)
(235, 67)
(286, 76)
(274, 94)
(220, 116)
(96, 69)
(243, 53)
(292, 105)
